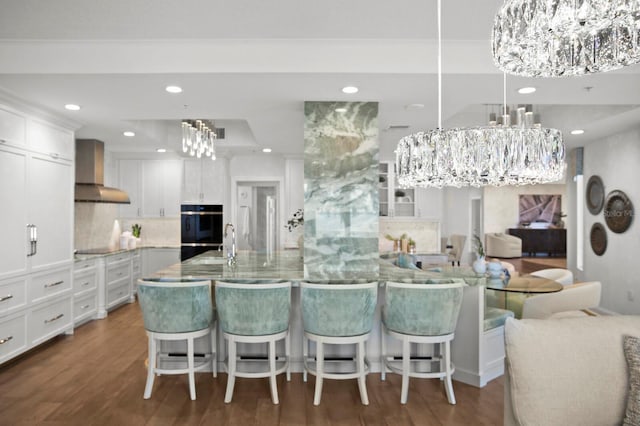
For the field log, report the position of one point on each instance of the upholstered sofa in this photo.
(569, 371)
(502, 245)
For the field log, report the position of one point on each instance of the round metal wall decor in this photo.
(595, 194)
(618, 211)
(598, 237)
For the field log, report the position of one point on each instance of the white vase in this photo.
(480, 266)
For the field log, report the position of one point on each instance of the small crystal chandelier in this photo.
(495, 155)
(198, 137)
(539, 38)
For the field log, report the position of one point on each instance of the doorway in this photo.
(257, 215)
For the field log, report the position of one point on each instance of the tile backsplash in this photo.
(94, 223)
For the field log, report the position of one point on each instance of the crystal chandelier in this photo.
(488, 155)
(540, 38)
(198, 137)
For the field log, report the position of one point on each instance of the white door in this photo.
(191, 188)
(50, 195)
(129, 182)
(172, 181)
(13, 208)
(213, 181)
(152, 188)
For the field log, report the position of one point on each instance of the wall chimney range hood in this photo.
(90, 175)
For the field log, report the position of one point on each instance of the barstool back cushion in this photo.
(175, 306)
(338, 310)
(253, 308)
(422, 309)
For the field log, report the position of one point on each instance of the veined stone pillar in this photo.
(341, 202)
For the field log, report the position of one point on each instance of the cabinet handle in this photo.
(31, 231)
(54, 155)
(5, 340)
(3, 141)
(56, 318)
(85, 306)
(7, 297)
(85, 284)
(53, 284)
(138, 211)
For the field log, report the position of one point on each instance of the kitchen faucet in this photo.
(231, 255)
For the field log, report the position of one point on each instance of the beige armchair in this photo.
(502, 245)
(563, 276)
(570, 302)
(457, 243)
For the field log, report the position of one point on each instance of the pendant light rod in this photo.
(439, 65)
(504, 93)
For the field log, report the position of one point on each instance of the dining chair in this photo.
(563, 276)
(337, 314)
(255, 311)
(457, 243)
(177, 310)
(421, 314)
(570, 302)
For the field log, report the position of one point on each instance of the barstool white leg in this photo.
(383, 353)
(214, 351)
(305, 356)
(287, 354)
(448, 384)
(272, 370)
(150, 368)
(406, 359)
(319, 372)
(231, 379)
(190, 368)
(362, 384)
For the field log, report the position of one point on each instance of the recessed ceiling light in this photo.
(340, 110)
(350, 90)
(129, 134)
(161, 150)
(266, 150)
(72, 107)
(577, 132)
(526, 90)
(173, 89)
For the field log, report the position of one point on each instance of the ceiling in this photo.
(249, 65)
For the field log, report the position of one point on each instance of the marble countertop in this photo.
(102, 252)
(288, 265)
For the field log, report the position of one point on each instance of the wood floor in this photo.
(97, 377)
(526, 265)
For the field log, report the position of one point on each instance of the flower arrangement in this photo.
(296, 220)
(478, 245)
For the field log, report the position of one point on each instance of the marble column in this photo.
(340, 191)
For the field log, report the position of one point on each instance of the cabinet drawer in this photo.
(117, 294)
(117, 258)
(13, 295)
(52, 140)
(117, 272)
(49, 320)
(12, 128)
(84, 307)
(85, 281)
(13, 336)
(50, 284)
(83, 266)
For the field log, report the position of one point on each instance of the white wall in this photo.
(456, 216)
(616, 160)
(501, 204)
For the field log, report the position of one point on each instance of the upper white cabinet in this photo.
(204, 181)
(394, 201)
(13, 127)
(161, 181)
(50, 139)
(153, 187)
(130, 181)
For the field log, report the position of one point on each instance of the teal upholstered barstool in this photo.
(254, 311)
(421, 313)
(176, 310)
(337, 314)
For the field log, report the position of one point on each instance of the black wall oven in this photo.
(201, 229)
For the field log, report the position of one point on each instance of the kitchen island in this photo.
(477, 354)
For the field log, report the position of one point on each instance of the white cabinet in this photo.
(161, 182)
(13, 127)
(204, 181)
(36, 194)
(130, 181)
(153, 187)
(85, 291)
(118, 284)
(394, 201)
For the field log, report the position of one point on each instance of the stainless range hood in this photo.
(90, 175)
